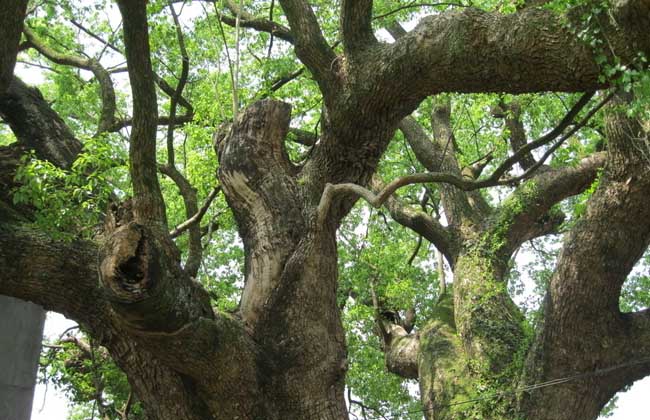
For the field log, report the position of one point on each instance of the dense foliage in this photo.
(383, 266)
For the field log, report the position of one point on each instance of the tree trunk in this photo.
(581, 309)
(472, 346)
(289, 298)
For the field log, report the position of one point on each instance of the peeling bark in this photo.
(289, 299)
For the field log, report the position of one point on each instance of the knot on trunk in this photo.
(130, 265)
(143, 281)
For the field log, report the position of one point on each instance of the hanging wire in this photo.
(531, 387)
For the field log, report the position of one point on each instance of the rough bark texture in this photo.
(37, 126)
(11, 25)
(581, 312)
(289, 298)
(282, 355)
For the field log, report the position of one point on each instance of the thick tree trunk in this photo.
(289, 298)
(483, 352)
(583, 331)
(472, 345)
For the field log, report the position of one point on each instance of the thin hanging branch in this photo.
(233, 83)
(268, 53)
(235, 89)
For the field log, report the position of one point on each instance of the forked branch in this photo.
(196, 218)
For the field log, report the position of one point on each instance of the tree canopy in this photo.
(297, 210)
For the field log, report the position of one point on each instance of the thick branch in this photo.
(37, 126)
(12, 15)
(458, 206)
(582, 305)
(188, 192)
(440, 155)
(149, 204)
(356, 24)
(421, 223)
(527, 211)
(61, 276)
(400, 348)
(310, 44)
(144, 283)
(378, 199)
(528, 51)
(401, 352)
(605, 232)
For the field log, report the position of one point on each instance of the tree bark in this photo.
(289, 297)
(282, 355)
(581, 310)
(11, 25)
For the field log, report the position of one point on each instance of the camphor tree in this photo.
(150, 285)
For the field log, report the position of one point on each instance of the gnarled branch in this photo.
(11, 22)
(549, 56)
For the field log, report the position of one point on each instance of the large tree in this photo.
(281, 354)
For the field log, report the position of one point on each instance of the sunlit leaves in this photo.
(87, 375)
(71, 202)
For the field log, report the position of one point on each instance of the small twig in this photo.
(197, 217)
